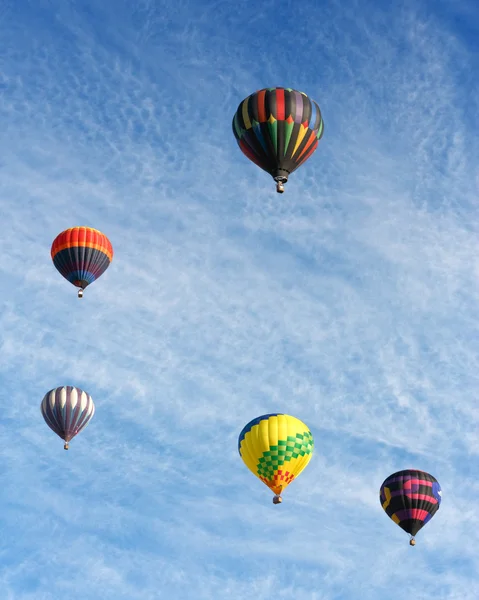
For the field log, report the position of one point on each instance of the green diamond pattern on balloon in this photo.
(276, 456)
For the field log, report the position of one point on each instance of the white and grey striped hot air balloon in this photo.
(67, 410)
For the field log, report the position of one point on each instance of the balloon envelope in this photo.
(276, 448)
(410, 498)
(278, 129)
(67, 410)
(81, 255)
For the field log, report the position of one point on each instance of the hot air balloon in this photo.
(81, 255)
(276, 448)
(278, 129)
(67, 410)
(410, 498)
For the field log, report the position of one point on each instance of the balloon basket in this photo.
(80, 293)
(277, 500)
(65, 447)
(280, 181)
(412, 542)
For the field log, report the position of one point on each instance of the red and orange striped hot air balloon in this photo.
(278, 129)
(81, 255)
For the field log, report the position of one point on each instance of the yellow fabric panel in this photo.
(387, 493)
(299, 139)
(267, 450)
(244, 112)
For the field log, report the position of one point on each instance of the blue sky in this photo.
(351, 301)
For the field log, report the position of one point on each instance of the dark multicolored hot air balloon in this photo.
(410, 498)
(67, 410)
(81, 255)
(278, 129)
(276, 448)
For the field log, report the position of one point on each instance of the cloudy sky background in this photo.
(351, 301)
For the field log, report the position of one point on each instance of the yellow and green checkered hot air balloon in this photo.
(276, 448)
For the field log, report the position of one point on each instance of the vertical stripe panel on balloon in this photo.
(77, 412)
(86, 413)
(308, 140)
(262, 127)
(52, 412)
(289, 105)
(289, 109)
(94, 260)
(319, 118)
(60, 399)
(404, 500)
(296, 127)
(239, 120)
(279, 93)
(248, 454)
(236, 128)
(320, 130)
(84, 274)
(307, 137)
(90, 256)
(280, 135)
(307, 457)
(245, 114)
(264, 436)
(68, 410)
(76, 397)
(82, 247)
(298, 113)
(258, 132)
(77, 253)
(270, 145)
(270, 105)
(281, 125)
(93, 256)
(80, 395)
(256, 443)
(261, 106)
(72, 253)
(57, 410)
(307, 108)
(288, 132)
(301, 133)
(265, 439)
(283, 436)
(314, 116)
(271, 438)
(253, 109)
(65, 404)
(89, 412)
(273, 135)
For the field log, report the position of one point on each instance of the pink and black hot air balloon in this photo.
(410, 498)
(67, 410)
